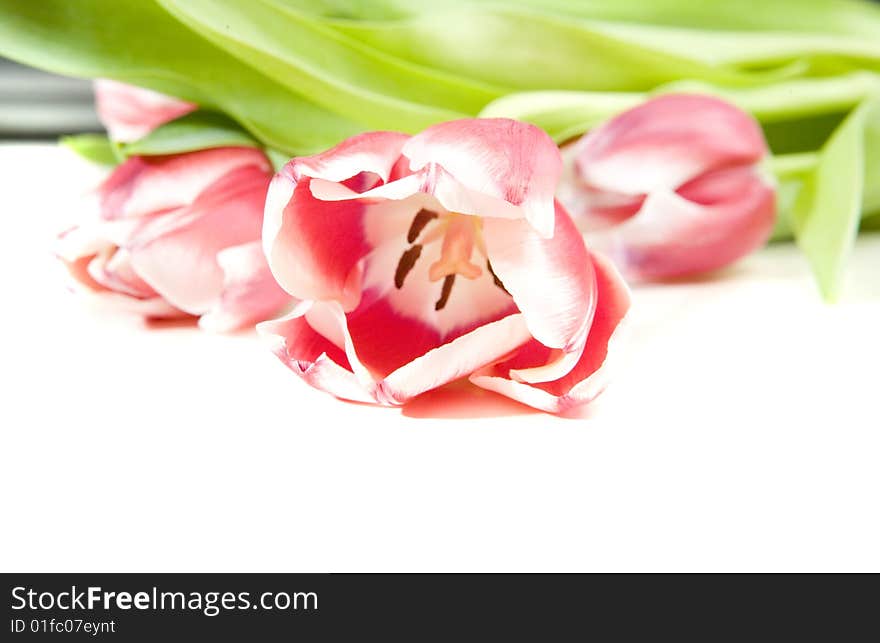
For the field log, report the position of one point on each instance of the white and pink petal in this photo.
(666, 142)
(493, 158)
(144, 186)
(249, 293)
(551, 280)
(317, 360)
(709, 223)
(177, 254)
(588, 376)
(129, 112)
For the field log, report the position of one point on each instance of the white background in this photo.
(741, 433)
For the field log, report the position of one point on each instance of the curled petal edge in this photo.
(590, 375)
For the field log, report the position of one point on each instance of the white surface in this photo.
(741, 434)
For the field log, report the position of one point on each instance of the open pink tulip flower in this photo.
(422, 260)
(130, 112)
(172, 236)
(672, 187)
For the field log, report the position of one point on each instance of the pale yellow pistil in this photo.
(459, 237)
(460, 234)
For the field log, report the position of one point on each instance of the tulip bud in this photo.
(672, 187)
(179, 235)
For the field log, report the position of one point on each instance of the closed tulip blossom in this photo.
(672, 187)
(175, 236)
(130, 112)
(422, 260)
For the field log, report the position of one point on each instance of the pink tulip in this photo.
(179, 235)
(130, 112)
(672, 187)
(421, 260)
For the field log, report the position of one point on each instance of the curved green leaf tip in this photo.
(196, 131)
(96, 148)
(826, 213)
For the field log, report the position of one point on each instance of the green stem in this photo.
(787, 166)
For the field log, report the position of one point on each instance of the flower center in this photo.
(460, 234)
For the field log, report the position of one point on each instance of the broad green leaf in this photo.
(562, 114)
(96, 148)
(140, 43)
(336, 71)
(871, 201)
(801, 52)
(356, 9)
(825, 217)
(844, 17)
(196, 131)
(567, 114)
(549, 52)
(793, 98)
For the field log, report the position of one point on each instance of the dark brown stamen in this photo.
(495, 277)
(444, 294)
(423, 217)
(407, 261)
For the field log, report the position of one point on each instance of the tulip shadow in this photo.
(727, 273)
(463, 400)
(158, 324)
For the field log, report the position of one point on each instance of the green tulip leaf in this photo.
(841, 17)
(97, 148)
(562, 114)
(550, 52)
(140, 43)
(336, 71)
(196, 131)
(825, 217)
(789, 54)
